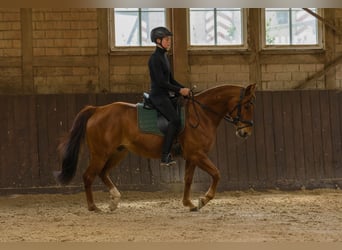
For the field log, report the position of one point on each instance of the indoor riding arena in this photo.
(281, 184)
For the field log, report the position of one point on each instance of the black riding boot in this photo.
(166, 159)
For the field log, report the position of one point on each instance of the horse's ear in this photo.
(250, 89)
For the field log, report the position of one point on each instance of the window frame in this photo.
(141, 48)
(320, 36)
(242, 47)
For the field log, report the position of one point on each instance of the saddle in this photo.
(150, 120)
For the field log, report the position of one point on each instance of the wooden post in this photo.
(253, 31)
(180, 46)
(103, 51)
(330, 55)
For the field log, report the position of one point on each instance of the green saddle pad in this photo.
(147, 120)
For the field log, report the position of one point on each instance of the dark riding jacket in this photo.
(161, 77)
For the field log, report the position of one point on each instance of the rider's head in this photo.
(161, 36)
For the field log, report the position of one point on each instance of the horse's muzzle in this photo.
(243, 133)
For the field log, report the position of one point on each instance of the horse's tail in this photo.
(71, 144)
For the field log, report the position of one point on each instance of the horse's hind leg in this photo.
(89, 175)
(104, 175)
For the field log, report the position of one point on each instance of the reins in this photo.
(228, 117)
(203, 106)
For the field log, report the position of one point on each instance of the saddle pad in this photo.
(147, 120)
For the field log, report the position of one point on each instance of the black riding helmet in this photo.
(159, 32)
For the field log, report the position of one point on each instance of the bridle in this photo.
(238, 118)
(228, 117)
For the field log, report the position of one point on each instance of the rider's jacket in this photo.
(162, 81)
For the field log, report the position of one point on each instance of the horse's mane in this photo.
(215, 89)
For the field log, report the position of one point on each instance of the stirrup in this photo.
(167, 162)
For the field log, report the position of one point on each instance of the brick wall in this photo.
(66, 32)
(10, 33)
(338, 23)
(67, 51)
(130, 77)
(274, 76)
(205, 76)
(285, 76)
(63, 33)
(339, 76)
(10, 48)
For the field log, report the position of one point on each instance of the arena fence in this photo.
(297, 143)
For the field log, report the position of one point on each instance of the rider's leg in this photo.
(167, 109)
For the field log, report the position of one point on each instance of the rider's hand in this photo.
(184, 91)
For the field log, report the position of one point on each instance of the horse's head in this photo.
(241, 115)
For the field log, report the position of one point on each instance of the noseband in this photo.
(228, 117)
(238, 118)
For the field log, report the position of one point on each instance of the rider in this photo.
(163, 88)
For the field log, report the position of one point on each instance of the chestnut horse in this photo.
(111, 131)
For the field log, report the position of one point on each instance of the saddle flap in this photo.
(150, 122)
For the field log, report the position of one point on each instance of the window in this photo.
(291, 27)
(216, 26)
(132, 26)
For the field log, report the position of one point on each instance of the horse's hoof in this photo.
(114, 203)
(56, 175)
(200, 203)
(94, 209)
(194, 209)
(113, 206)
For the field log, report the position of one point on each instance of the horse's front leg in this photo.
(188, 177)
(206, 165)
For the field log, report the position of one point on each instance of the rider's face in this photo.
(166, 42)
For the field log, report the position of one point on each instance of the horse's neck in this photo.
(217, 99)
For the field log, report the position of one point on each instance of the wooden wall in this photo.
(297, 142)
